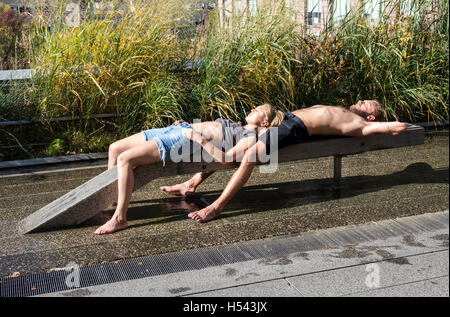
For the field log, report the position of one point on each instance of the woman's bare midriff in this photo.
(209, 129)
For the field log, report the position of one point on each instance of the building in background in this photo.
(313, 13)
(20, 6)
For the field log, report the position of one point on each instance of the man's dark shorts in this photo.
(292, 130)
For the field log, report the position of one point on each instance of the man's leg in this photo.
(237, 181)
(126, 162)
(187, 188)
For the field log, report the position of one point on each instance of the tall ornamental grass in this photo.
(402, 60)
(137, 63)
(129, 63)
(121, 62)
(248, 61)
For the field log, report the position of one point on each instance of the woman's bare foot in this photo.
(111, 226)
(184, 189)
(206, 214)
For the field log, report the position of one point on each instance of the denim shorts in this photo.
(168, 138)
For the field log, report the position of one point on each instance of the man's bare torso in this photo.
(319, 120)
(329, 120)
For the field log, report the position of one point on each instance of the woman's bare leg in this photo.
(118, 147)
(139, 155)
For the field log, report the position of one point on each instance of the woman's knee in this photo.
(114, 149)
(129, 159)
(124, 159)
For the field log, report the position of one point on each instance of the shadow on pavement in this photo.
(269, 197)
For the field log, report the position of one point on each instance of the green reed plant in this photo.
(401, 59)
(130, 62)
(108, 64)
(158, 106)
(248, 61)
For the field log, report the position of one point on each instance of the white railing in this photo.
(16, 74)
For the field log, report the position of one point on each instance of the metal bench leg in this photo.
(337, 176)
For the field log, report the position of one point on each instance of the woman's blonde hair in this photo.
(274, 117)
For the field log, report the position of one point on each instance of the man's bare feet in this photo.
(184, 189)
(111, 226)
(206, 214)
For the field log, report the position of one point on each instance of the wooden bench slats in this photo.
(98, 193)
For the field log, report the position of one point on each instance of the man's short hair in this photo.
(379, 112)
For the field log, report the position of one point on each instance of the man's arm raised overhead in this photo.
(392, 128)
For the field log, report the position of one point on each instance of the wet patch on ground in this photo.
(399, 261)
(411, 241)
(303, 255)
(179, 290)
(443, 238)
(276, 261)
(78, 293)
(231, 272)
(365, 251)
(246, 276)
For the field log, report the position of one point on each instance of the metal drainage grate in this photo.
(129, 269)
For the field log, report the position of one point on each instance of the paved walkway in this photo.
(377, 186)
(399, 264)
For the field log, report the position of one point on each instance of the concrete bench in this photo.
(97, 194)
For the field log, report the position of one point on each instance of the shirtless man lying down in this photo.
(362, 119)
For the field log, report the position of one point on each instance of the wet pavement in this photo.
(298, 198)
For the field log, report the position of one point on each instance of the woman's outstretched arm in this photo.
(234, 154)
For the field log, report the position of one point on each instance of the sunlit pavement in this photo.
(296, 200)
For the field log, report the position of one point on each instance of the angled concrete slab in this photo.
(76, 206)
(99, 193)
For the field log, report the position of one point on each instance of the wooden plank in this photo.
(60, 119)
(330, 146)
(97, 194)
(53, 160)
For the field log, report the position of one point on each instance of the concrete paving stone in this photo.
(51, 175)
(361, 278)
(277, 288)
(243, 276)
(139, 241)
(7, 214)
(434, 287)
(20, 190)
(401, 261)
